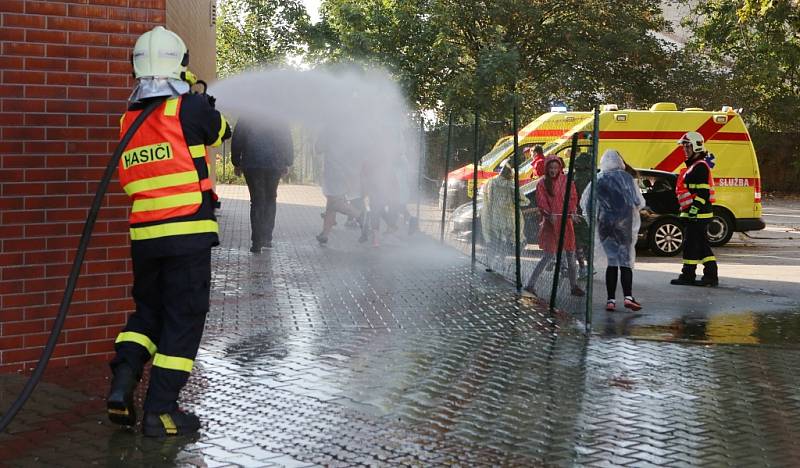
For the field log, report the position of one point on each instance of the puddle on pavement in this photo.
(748, 328)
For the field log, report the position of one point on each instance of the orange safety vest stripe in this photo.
(685, 197)
(157, 151)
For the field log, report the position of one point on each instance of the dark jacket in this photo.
(267, 146)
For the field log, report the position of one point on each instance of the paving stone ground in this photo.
(349, 355)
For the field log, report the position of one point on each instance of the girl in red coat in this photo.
(550, 201)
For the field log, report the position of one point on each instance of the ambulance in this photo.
(648, 139)
(547, 128)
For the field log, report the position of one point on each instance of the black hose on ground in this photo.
(72, 280)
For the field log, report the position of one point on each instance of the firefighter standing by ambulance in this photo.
(695, 190)
(165, 171)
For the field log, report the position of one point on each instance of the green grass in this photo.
(225, 173)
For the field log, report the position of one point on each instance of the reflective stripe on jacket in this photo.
(157, 170)
(687, 192)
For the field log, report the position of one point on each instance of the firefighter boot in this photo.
(710, 275)
(119, 403)
(170, 424)
(686, 277)
(683, 280)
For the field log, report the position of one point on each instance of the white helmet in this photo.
(695, 139)
(159, 53)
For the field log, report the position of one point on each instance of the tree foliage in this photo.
(450, 54)
(453, 54)
(257, 32)
(756, 46)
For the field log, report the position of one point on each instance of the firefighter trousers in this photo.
(697, 251)
(172, 299)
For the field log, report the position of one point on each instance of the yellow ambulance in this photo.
(648, 139)
(545, 129)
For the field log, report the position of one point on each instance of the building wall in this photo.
(195, 22)
(65, 76)
(198, 32)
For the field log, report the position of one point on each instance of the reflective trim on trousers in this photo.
(701, 261)
(138, 338)
(173, 362)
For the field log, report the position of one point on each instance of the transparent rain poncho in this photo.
(497, 212)
(618, 200)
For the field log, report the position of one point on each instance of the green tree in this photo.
(452, 54)
(257, 32)
(756, 46)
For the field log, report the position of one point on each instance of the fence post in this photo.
(564, 214)
(517, 207)
(592, 209)
(420, 160)
(446, 171)
(224, 159)
(475, 186)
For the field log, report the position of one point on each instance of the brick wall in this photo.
(65, 75)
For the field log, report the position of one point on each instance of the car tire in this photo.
(665, 237)
(720, 228)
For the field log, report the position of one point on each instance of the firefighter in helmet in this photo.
(164, 169)
(695, 190)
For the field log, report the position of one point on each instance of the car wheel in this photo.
(665, 237)
(720, 229)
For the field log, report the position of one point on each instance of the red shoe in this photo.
(630, 303)
(611, 305)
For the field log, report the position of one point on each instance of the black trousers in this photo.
(172, 299)
(263, 187)
(697, 251)
(611, 281)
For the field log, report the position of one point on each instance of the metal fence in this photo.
(478, 185)
(492, 200)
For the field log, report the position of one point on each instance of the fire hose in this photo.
(72, 279)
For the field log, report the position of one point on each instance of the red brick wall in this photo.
(65, 75)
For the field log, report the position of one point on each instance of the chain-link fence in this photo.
(551, 259)
(478, 183)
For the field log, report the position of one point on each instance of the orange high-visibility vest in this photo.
(157, 171)
(685, 197)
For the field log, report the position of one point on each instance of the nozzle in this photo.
(189, 77)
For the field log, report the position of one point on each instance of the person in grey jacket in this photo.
(263, 151)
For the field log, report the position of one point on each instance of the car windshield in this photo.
(493, 157)
(654, 183)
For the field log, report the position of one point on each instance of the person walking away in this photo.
(337, 180)
(695, 190)
(497, 214)
(172, 228)
(550, 194)
(380, 187)
(618, 200)
(264, 152)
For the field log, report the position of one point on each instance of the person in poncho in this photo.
(497, 213)
(550, 194)
(618, 200)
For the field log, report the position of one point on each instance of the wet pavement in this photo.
(349, 355)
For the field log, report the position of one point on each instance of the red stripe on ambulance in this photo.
(676, 157)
